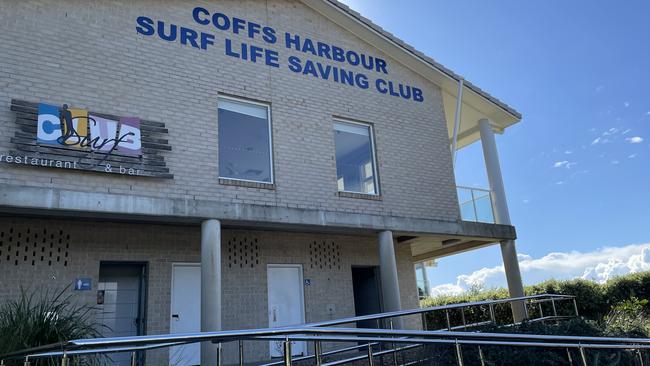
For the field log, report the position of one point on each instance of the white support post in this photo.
(388, 274)
(502, 216)
(459, 108)
(425, 277)
(210, 287)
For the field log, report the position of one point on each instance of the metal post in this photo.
(462, 315)
(554, 308)
(64, 360)
(459, 353)
(525, 309)
(241, 352)
(393, 346)
(638, 353)
(134, 359)
(575, 306)
(317, 353)
(287, 352)
(583, 357)
(219, 355)
(371, 361)
(448, 321)
(459, 108)
(27, 363)
(480, 356)
(424, 321)
(568, 353)
(492, 317)
(541, 312)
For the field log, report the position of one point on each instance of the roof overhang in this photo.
(477, 104)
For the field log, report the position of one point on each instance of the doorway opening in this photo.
(121, 303)
(367, 294)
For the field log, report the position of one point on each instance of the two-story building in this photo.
(208, 165)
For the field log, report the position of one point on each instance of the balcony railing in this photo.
(475, 204)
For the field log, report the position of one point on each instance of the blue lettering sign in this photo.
(169, 32)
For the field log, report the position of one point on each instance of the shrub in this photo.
(594, 300)
(41, 318)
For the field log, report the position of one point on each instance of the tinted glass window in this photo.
(244, 141)
(355, 165)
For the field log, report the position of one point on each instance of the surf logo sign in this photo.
(77, 128)
(55, 136)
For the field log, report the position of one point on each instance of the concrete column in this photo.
(210, 287)
(502, 216)
(425, 277)
(388, 276)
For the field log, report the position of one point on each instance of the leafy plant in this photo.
(628, 319)
(44, 317)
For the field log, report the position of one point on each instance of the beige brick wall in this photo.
(89, 55)
(244, 289)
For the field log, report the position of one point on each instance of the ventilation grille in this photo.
(243, 252)
(28, 246)
(324, 255)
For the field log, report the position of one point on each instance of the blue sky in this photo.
(577, 167)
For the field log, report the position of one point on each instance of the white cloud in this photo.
(568, 152)
(564, 163)
(559, 164)
(631, 156)
(615, 162)
(599, 265)
(626, 131)
(559, 183)
(596, 141)
(610, 132)
(599, 88)
(634, 140)
(626, 104)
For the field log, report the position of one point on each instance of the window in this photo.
(244, 141)
(355, 158)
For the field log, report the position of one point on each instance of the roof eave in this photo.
(499, 112)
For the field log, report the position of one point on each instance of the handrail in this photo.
(139, 341)
(394, 314)
(369, 335)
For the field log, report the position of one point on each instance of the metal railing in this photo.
(321, 332)
(475, 204)
(410, 338)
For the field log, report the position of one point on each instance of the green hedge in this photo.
(594, 300)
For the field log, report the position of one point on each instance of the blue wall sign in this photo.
(83, 284)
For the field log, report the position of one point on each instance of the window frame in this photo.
(371, 133)
(270, 131)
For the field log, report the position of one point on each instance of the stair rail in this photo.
(329, 331)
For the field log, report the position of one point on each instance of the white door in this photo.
(186, 312)
(286, 303)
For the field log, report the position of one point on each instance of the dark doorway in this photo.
(365, 284)
(121, 297)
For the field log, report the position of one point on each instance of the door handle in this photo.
(176, 316)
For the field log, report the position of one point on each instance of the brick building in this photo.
(232, 164)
